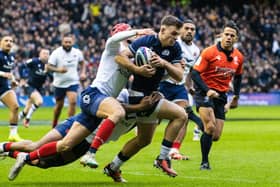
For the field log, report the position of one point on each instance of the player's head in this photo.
(229, 35)
(187, 32)
(6, 43)
(119, 28)
(67, 42)
(44, 55)
(169, 30)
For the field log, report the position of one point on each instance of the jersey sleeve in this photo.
(240, 67)
(29, 62)
(81, 56)
(53, 59)
(202, 62)
(114, 41)
(177, 55)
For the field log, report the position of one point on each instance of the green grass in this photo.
(247, 155)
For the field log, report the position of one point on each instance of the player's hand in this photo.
(212, 94)
(14, 82)
(227, 107)
(156, 96)
(156, 61)
(145, 32)
(146, 103)
(146, 70)
(62, 70)
(234, 102)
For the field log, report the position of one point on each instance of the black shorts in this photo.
(31, 89)
(218, 104)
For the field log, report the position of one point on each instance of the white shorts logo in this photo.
(86, 99)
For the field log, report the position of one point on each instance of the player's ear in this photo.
(235, 38)
(162, 28)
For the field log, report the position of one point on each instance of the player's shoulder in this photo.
(210, 51)
(238, 53)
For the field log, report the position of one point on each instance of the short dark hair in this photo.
(233, 25)
(170, 20)
(189, 21)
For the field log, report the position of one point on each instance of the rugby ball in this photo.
(143, 56)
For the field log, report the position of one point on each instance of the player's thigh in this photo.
(182, 103)
(10, 100)
(75, 135)
(36, 97)
(72, 96)
(51, 136)
(170, 110)
(108, 107)
(207, 115)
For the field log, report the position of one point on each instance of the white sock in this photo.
(31, 110)
(116, 163)
(164, 152)
(13, 130)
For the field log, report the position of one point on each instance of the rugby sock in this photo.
(13, 154)
(22, 114)
(31, 110)
(205, 143)
(44, 151)
(118, 161)
(194, 118)
(176, 145)
(104, 132)
(13, 129)
(7, 146)
(165, 149)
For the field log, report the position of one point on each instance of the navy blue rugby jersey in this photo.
(7, 62)
(37, 75)
(172, 54)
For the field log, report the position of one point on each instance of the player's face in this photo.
(44, 55)
(67, 43)
(7, 43)
(229, 37)
(169, 35)
(187, 32)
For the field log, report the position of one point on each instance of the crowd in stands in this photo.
(40, 24)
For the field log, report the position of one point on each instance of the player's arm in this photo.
(52, 64)
(145, 104)
(123, 59)
(83, 70)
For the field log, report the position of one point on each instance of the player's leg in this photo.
(209, 121)
(144, 137)
(71, 94)
(98, 104)
(59, 94)
(37, 101)
(174, 152)
(24, 112)
(177, 118)
(10, 100)
(75, 135)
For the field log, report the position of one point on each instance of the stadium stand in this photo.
(37, 24)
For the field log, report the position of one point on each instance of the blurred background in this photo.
(40, 24)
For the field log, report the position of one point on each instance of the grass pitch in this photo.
(248, 154)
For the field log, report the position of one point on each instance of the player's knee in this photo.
(64, 146)
(216, 138)
(210, 129)
(119, 114)
(38, 103)
(14, 108)
(144, 143)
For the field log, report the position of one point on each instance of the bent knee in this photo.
(216, 138)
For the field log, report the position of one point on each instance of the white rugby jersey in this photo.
(70, 60)
(111, 77)
(190, 55)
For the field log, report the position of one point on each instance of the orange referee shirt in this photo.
(215, 69)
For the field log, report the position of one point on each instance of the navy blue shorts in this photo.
(173, 92)
(31, 89)
(60, 93)
(90, 122)
(90, 100)
(4, 89)
(218, 104)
